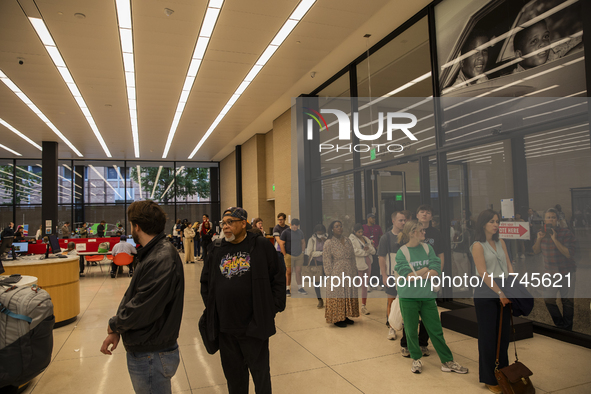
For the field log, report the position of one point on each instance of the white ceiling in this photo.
(327, 38)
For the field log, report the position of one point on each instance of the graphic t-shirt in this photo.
(233, 289)
(419, 259)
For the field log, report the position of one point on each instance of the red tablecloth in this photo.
(92, 244)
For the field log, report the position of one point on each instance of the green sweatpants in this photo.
(411, 309)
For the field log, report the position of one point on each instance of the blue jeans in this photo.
(151, 372)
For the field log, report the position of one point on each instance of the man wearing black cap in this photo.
(243, 287)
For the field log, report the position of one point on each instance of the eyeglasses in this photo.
(228, 222)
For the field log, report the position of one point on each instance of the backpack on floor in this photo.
(26, 337)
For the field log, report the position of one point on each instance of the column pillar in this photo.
(49, 187)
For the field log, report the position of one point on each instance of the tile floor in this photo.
(307, 355)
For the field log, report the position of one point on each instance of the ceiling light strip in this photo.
(156, 182)
(15, 89)
(15, 131)
(103, 178)
(207, 26)
(172, 183)
(293, 20)
(10, 150)
(126, 40)
(54, 54)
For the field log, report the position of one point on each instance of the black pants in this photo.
(423, 336)
(241, 354)
(488, 312)
(205, 245)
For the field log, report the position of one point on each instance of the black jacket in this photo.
(268, 287)
(149, 316)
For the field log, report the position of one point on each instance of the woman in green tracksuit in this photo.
(416, 298)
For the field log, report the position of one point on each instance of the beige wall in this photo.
(282, 162)
(228, 181)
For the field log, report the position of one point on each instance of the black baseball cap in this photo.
(236, 212)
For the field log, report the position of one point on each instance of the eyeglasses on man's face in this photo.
(229, 222)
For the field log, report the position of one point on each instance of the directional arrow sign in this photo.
(514, 230)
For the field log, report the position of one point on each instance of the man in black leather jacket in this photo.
(243, 287)
(150, 313)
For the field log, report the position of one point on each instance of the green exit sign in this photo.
(273, 187)
(372, 154)
(399, 197)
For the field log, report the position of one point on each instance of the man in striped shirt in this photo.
(558, 246)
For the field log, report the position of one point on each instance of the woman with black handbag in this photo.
(491, 260)
(314, 253)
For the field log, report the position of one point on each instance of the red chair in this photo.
(96, 259)
(122, 259)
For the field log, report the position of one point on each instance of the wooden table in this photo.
(59, 277)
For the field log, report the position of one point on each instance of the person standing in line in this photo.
(417, 299)
(197, 241)
(338, 258)
(292, 246)
(434, 239)
(100, 230)
(189, 234)
(492, 261)
(277, 230)
(39, 233)
(558, 246)
(374, 232)
(150, 313)
(242, 286)
(364, 252)
(201, 227)
(206, 236)
(388, 247)
(258, 223)
(314, 253)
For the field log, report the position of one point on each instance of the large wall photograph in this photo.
(510, 48)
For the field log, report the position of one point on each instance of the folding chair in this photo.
(122, 259)
(96, 259)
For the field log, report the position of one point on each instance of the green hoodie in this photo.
(419, 259)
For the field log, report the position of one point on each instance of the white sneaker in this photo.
(364, 310)
(417, 366)
(452, 366)
(392, 334)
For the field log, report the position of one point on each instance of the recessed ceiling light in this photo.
(210, 19)
(79, 15)
(290, 24)
(15, 89)
(168, 11)
(54, 54)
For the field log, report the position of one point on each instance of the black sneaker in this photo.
(349, 321)
(341, 324)
(112, 275)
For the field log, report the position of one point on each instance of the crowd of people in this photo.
(245, 282)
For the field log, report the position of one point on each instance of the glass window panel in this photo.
(6, 184)
(193, 182)
(29, 215)
(338, 202)
(152, 181)
(401, 68)
(97, 187)
(558, 177)
(65, 183)
(478, 178)
(29, 179)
